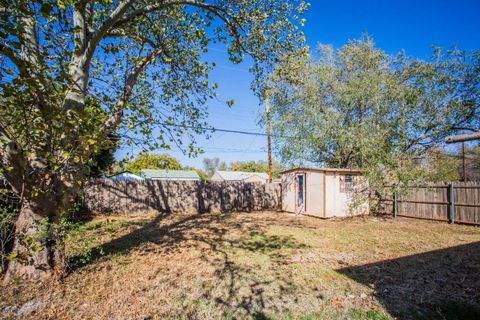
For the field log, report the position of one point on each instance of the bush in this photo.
(8, 215)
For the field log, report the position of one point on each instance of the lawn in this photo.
(263, 265)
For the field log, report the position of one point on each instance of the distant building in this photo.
(170, 175)
(239, 176)
(126, 176)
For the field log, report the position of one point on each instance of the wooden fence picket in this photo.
(455, 202)
(124, 197)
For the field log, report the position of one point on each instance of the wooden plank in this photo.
(431, 202)
(421, 218)
(424, 202)
(467, 205)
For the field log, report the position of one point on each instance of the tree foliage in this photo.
(74, 72)
(103, 161)
(212, 165)
(256, 166)
(215, 164)
(203, 176)
(472, 163)
(8, 213)
(358, 107)
(442, 167)
(152, 161)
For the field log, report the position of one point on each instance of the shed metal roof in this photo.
(170, 174)
(125, 175)
(241, 175)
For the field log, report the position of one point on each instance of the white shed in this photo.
(321, 192)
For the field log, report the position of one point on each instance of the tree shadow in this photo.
(245, 294)
(439, 284)
(258, 241)
(113, 197)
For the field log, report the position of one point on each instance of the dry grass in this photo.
(259, 265)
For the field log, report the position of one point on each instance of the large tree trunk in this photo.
(38, 247)
(38, 253)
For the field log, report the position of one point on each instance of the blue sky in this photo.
(414, 26)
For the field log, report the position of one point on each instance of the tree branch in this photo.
(224, 16)
(85, 46)
(115, 118)
(8, 52)
(138, 12)
(119, 33)
(28, 61)
(115, 20)
(216, 10)
(463, 137)
(105, 27)
(453, 127)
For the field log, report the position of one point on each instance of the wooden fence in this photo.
(123, 197)
(453, 202)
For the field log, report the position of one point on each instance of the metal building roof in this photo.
(125, 175)
(240, 175)
(170, 174)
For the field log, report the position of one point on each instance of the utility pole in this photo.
(269, 146)
(464, 163)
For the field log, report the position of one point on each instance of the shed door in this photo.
(300, 190)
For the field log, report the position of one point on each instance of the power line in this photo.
(216, 149)
(224, 150)
(212, 129)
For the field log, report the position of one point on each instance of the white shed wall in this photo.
(314, 193)
(288, 192)
(337, 202)
(323, 199)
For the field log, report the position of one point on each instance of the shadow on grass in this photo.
(244, 293)
(258, 241)
(439, 284)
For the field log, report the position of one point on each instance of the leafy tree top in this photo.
(152, 161)
(255, 166)
(75, 72)
(358, 107)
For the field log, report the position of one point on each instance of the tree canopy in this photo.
(441, 166)
(472, 163)
(103, 162)
(203, 176)
(74, 72)
(255, 166)
(152, 161)
(212, 165)
(358, 107)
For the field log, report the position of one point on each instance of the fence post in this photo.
(395, 202)
(451, 203)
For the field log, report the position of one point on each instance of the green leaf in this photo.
(46, 9)
(12, 256)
